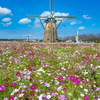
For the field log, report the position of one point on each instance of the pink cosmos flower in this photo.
(33, 87)
(11, 98)
(12, 69)
(62, 97)
(14, 84)
(53, 94)
(51, 91)
(1, 88)
(5, 99)
(77, 82)
(2, 85)
(60, 78)
(28, 77)
(0, 51)
(32, 67)
(59, 67)
(72, 78)
(85, 97)
(64, 89)
(94, 83)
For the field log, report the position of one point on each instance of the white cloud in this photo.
(5, 11)
(94, 24)
(36, 21)
(86, 17)
(6, 19)
(61, 14)
(29, 25)
(75, 22)
(7, 24)
(81, 28)
(37, 25)
(45, 13)
(24, 21)
(72, 23)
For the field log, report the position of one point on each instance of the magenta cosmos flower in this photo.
(77, 82)
(85, 98)
(60, 78)
(11, 98)
(14, 84)
(18, 74)
(1, 88)
(33, 87)
(72, 78)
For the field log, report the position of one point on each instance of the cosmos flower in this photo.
(72, 78)
(5, 99)
(14, 84)
(64, 89)
(60, 78)
(1, 88)
(11, 98)
(48, 96)
(53, 94)
(31, 93)
(43, 96)
(6, 84)
(21, 95)
(33, 87)
(62, 97)
(18, 74)
(77, 82)
(7, 79)
(85, 97)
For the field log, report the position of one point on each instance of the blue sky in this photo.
(14, 24)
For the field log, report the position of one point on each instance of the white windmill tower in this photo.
(27, 37)
(77, 38)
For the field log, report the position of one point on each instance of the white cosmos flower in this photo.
(69, 94)
(87, 79)
(16, 90)
(56, 82)
(98, 98)
(21, 95)
(81, 86)
(48, 96)
(62, 91)
(82, 94)
(16, 98)
(59, 57)
(86, 90)
(85, 73)
(40, 97)
(60, 88)
(48, 85)
(12, 93)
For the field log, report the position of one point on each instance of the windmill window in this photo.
(48, 26)
(47, 39)
(56, 39)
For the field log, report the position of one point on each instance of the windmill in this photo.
(50, 29)
(77, 38)
(27, 37)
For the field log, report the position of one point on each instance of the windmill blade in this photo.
(32, 16)
(65, 16)
(50, 7)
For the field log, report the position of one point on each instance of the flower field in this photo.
(49, 71)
